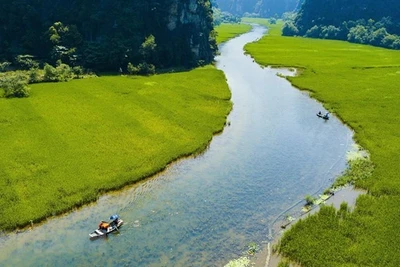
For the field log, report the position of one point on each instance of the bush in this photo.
(64, 72)
(61, 73)
(4, 66)
(313, 32)
(26, 62)
(15, 85)
(141, 69)
(132, 69)
(34, 76)
(309, 200)
(289, 29)
(78, 71)
(50, 73)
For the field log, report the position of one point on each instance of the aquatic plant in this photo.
(252, 248)
(241, 262)
(309, 200)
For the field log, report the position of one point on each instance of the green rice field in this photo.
(360, 84)
(70, 142)
(227, 31)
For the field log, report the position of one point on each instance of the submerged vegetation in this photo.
(359, 84)
(70, 142)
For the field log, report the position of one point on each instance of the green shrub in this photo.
(34, 76)
(78, 71)
(289, 29)
(141, 69)
(26, 62)
(64, 72)
(61, 73)
(4, 66)
(309, 200)
(133, 70)
(15, 85)
(50, 73)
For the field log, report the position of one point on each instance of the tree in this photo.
(148, 49)
(26, 62)
(358, 34)
(4, 66)
(289, 29)
(313, 32)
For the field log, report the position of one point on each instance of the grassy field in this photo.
(360, 84)
(227, 31)
(69, 142)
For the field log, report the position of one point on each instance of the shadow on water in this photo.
(204, 211)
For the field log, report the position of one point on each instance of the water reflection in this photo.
(204, 211)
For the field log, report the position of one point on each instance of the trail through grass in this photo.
(69, 142)
(360, 84)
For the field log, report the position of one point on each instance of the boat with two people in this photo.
(106, 227)
(325, 117)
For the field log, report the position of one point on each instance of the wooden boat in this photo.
(106, 228)
(325, 117)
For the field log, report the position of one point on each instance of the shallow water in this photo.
(204, 211)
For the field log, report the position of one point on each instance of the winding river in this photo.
(205, 210)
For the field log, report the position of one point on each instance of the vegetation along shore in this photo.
(69, 142)
(359, 83)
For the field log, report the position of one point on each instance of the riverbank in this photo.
(73, 167)
(359, 84)
(70, 142)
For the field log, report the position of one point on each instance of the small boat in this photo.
(107, 227)
(325, 117)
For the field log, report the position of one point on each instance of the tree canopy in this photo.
(107, 34)
(360, 21)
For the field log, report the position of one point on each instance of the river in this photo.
(205, 210)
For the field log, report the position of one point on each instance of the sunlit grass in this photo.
(69, 142)
(228, 31)
(360, 84)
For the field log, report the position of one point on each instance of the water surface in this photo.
(204, 211)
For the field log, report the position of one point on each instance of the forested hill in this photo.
(107, 34)
(263, 8)
(362, 21)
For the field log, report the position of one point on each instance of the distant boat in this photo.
(106, 227)
(325, 117)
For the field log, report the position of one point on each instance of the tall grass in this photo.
(70, 142)
(360, 84)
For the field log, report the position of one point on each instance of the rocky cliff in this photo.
(107, 34)
(264, 8)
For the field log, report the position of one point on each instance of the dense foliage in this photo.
(257, 8)
(224, 17)
(369, 22)
(107, 34)
(360, 84)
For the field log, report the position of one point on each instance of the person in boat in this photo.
(320, 113)
(103, 225)
(327, 115)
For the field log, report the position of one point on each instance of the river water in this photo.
(205, 210)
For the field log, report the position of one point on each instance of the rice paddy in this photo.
(227, 31)
(360, 84)
(70, 142)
